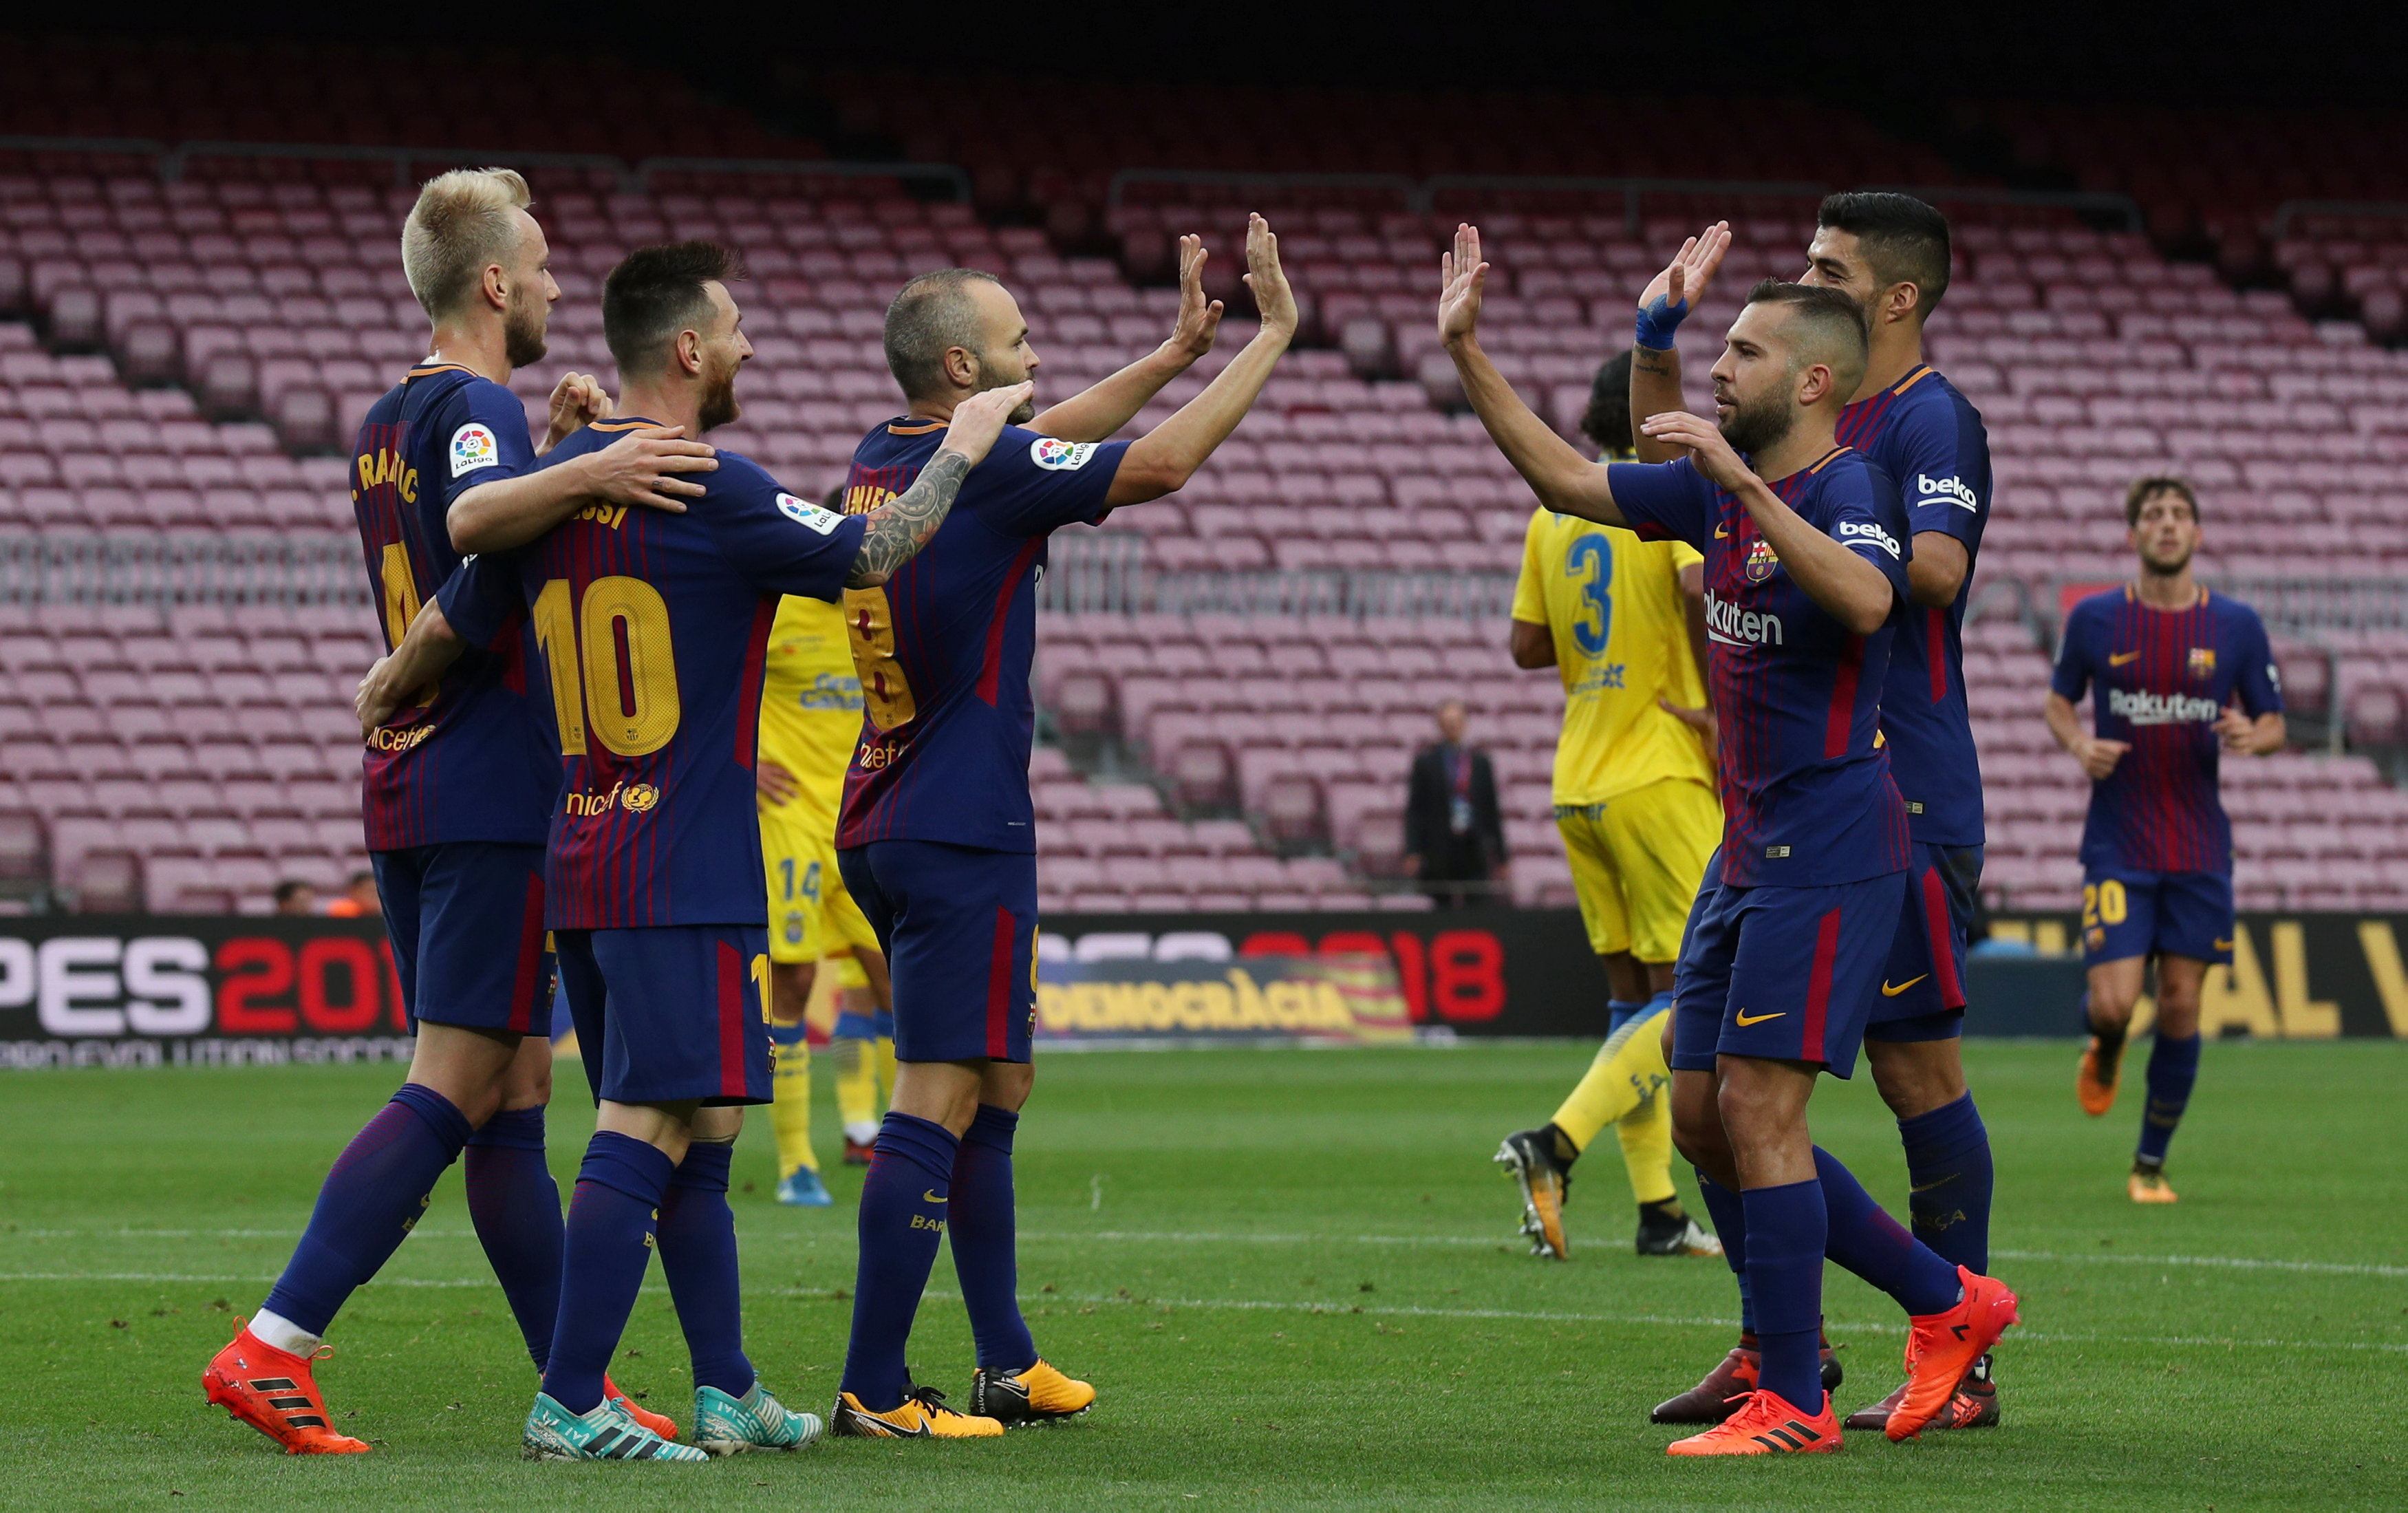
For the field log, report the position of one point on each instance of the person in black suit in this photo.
(1455, 840)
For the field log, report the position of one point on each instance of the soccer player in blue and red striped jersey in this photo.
(458, 795)
(1806, 575)
(2178, 676)
(936, 839)
(1890, 253)
(651, 628)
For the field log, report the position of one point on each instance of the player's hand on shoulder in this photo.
(981, 418)
(646, 467)
(578, 400)
(1713, 456)
(1462, 277)
(1199, 319)
(1268, 280)
(2099, 757)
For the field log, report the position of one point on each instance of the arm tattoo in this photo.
(1648, 360)
(899, 527)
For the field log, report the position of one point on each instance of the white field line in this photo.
(1539, 1316)
(2321, 1268)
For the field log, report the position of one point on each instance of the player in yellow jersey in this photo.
(1634, 794)
(811, 716)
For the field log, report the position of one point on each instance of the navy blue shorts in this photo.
(2130, 914)
(1783, 973)
(671, 1013)
(465, 919)
(958, 925)
(1923, 991)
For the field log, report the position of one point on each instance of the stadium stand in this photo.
(1241, 672)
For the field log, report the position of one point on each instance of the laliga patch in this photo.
(1058, 456)
(473, 447)
(804, 512)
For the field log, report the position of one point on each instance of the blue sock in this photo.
(1949, 1178)
(1730, 1225)
(903, 1204)
(1620, 1012)
(697, 1238)
(1860, 1236)
(986, 1242)
(378, 1188)
(605, 1244)
(1785, 1273)
(2173, 1066)
(515, 1206)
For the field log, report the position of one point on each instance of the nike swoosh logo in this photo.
(1941, 1183)
(2224, 946)
(1722, 533)
(1742, 1020)
(2119, 658)
(1887, 991)
(930, 1197)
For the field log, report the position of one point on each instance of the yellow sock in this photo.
(885, 1071)
(1623, 1075)
(790, 1114)
(1646, 1135)
(856, 1087)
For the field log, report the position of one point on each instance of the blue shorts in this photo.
(1922, 992)
(465, 919)
(958, 925)
(2130, 914)
(671, 1013)
(1783, 973)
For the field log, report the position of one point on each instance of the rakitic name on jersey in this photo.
(389, 467)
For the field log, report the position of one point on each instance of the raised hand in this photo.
(1704, 441)
(1462, 277)
(979, 419)
(643, 468)
(576, 401)
(1199, 320)
(1676, 291)
(1268, 281)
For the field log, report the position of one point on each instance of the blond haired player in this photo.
(811, 716)
(1635, 799)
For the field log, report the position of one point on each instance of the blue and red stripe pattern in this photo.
(944, 647)
(1806, 796)
(650, 630)
(2161, 679)
(1924, 434)
(470, 764)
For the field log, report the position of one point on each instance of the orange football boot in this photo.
(1941, 1348)
(921, 1415)
(659, 1423)
(2148, 1186)
(2097, 1095)
(1765, 1424)
(273, 1391)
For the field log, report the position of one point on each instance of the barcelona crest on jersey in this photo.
(1761, 560)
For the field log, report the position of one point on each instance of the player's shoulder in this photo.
(2232, 611)
(891, 441)
(2093, 608)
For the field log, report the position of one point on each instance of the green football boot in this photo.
(606, 1434)
(725, 1425)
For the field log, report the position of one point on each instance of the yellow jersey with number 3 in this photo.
(1612, 605)
(811, 707)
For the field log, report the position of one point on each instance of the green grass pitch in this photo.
(1295, 1278)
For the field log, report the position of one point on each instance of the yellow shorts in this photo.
(811, 914)
(1637, 861)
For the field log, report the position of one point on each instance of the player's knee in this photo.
(1915, 1077)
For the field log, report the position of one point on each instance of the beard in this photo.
(719, 407)
(1753, 428)
(523, 327)
(1022, 416)
(2160, 568)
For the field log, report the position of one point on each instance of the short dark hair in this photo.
(365, 874)
(930, 316)
(656, 292)
(1607, 420)
(291, 888)
(1829, 315)
(2145, 489)
(1904, 239)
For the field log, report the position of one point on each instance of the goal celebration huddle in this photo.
(662, 736)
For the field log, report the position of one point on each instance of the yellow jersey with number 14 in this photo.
(810, 706)
(1613, 606)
